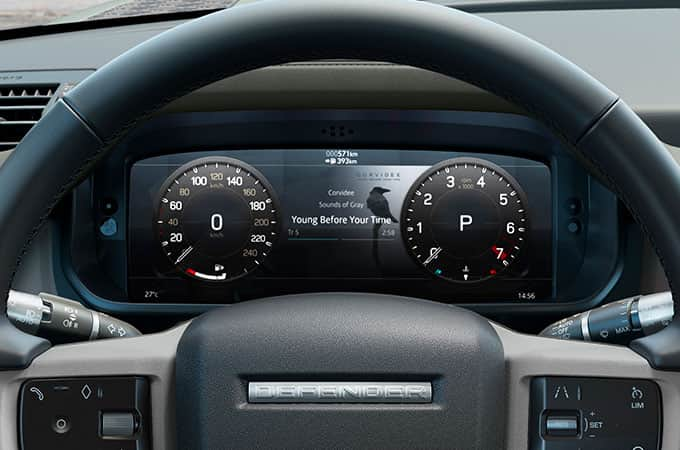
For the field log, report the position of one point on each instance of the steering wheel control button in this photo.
(118, 425)
(580, 413)
(106, 413)
(562, 424)
(61, 425)
(86, 392)
(565, 394)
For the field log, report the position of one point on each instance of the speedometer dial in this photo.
(217, 219)
(465, 220)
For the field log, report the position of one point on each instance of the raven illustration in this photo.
(379, 205)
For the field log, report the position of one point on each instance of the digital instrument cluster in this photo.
(217, 219)
(465, 220)
(227, 226)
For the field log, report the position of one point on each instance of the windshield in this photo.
(26, 13)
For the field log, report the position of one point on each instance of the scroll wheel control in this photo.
(118, 425)
(562, 425)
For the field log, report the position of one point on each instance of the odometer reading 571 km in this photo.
(465, 220)
(217, 219)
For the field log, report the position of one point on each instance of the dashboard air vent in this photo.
(21, 106)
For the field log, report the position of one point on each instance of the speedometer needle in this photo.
(433, 255)
(184, 254)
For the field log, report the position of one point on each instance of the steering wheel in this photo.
(479, 372)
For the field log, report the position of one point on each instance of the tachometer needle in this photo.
(184, 254)
(433, 255)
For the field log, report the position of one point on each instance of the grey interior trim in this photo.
(638, 44)
(4, 155)
(368, 85)
(114, 99)
(340, 85)
(88, 49)
(652, 276)
(675, 152)
(154, 355)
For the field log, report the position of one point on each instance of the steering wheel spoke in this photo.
(153, 357)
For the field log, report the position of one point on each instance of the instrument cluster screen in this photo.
(226, 226)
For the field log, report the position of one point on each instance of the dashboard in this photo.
(581, 247)
(486, 210)
(452, 226)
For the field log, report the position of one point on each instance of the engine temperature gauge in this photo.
(465, 220)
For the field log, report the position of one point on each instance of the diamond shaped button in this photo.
(86, 392)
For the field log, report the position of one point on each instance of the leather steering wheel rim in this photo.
(603, 132)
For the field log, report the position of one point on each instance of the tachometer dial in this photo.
(217, 219)
(465, 220)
